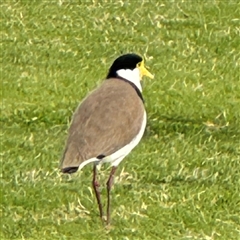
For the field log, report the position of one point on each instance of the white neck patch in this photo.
(132, 76)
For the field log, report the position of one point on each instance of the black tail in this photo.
(69, 170)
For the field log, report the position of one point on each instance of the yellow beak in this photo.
(144, 71)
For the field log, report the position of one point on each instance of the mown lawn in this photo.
(183, 180)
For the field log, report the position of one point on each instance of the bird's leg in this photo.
(96, 186)
(109, 186)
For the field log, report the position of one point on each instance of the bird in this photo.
(108, 123)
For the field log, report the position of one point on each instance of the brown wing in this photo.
(107, 120)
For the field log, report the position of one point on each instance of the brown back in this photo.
(107, 120)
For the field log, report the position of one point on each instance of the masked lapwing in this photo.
(108, 123)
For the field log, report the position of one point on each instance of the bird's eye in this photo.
(139, 64)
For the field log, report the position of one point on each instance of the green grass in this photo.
(183, 180)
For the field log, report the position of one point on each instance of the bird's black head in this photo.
(126, 61)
